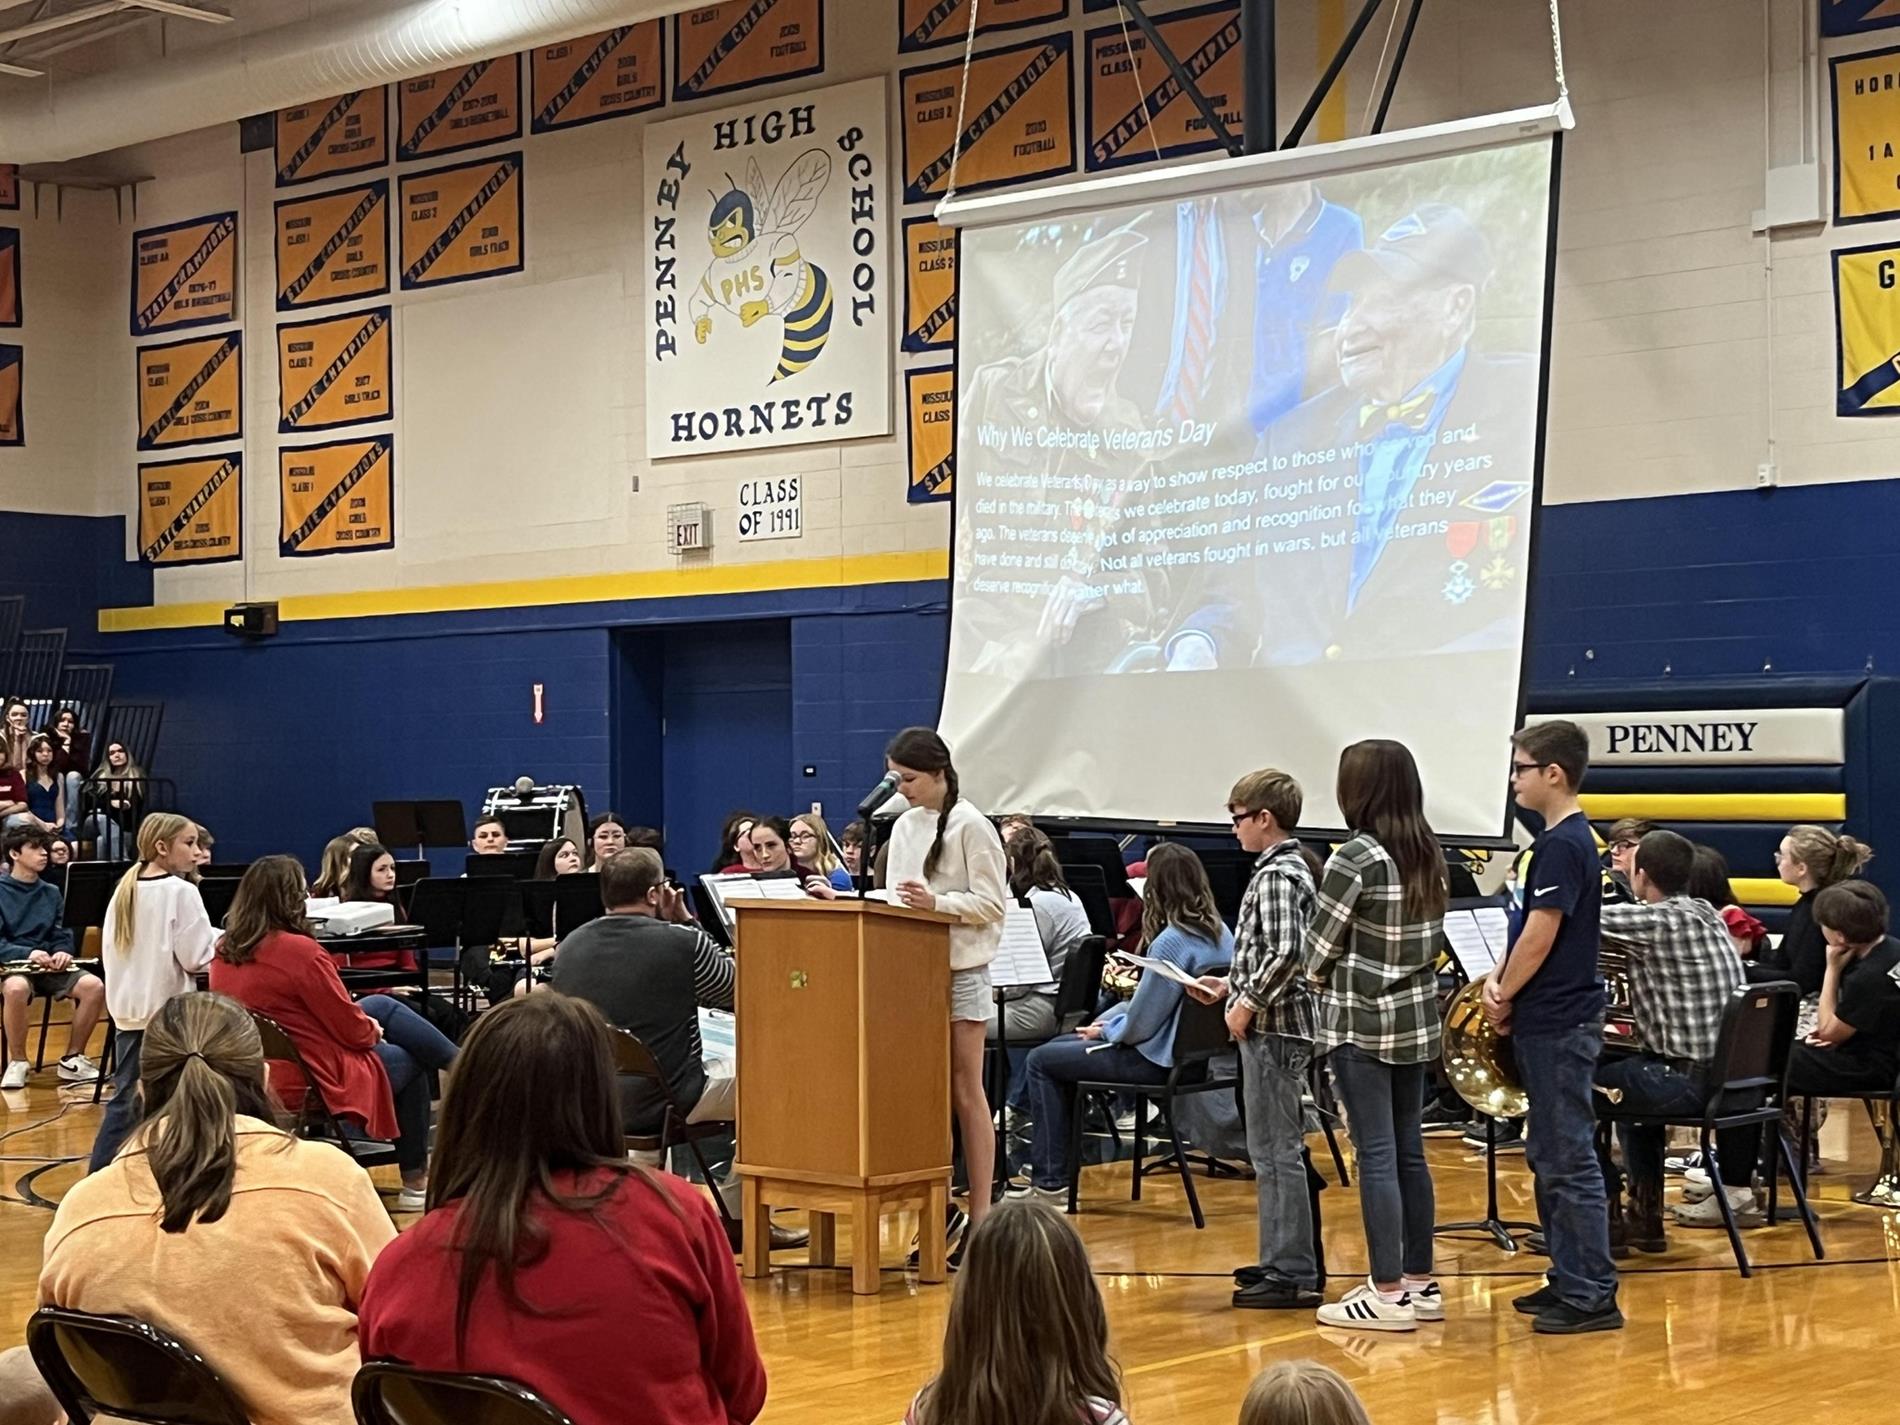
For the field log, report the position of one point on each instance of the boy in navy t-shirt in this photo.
(1548, 996)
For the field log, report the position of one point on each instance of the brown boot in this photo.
(1619, 1227)
(1644, 1229)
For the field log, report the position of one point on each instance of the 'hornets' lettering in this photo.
(757, 269)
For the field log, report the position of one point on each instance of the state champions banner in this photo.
(460, 108)
(333, 247)
(1866, 136)
(742, 43)
(605, 76)
(10, 311)
(330, 137)
(192, 511)
(337, 497)
(924, 23)
(930, 285)
(1134, 106)
(1867, 330)
(191, 392)
(768, 232)
(334, 371)
(462, 222)
(1018, 121)
(931, 398)
(184, 274)
(12, 396)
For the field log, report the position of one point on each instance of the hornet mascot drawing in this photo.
(757, 269)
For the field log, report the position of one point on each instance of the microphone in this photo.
(878, 795)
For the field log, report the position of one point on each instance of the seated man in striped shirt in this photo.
(1683, 971)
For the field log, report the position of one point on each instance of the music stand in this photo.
(419, 824)
(1498, 1228)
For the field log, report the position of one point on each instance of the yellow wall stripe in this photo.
(759, 578)
(1750, 890)
(1719, 806)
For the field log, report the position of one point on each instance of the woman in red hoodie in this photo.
(549, 1259)
(370, 1060)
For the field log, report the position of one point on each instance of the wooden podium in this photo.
(843, 1018)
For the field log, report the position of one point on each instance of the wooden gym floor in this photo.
(1801, 1340)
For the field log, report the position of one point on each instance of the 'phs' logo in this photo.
(757, 269)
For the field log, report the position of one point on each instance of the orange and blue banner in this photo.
(330, 137)
(1136, 110)
(192, 511)
(333, 247)
(191, 392)
(459, 108)
(721, 48)
(185, 274)
(922, 24)
(605, 76)
(1018, 120)
(931, 398)
(334, 371)
(462, 222)
(337, 497)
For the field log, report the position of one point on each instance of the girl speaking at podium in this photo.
(945, 856)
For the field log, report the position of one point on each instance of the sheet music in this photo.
(1020, 961)
(781, 888)
(1139, 884)
(1478, 939)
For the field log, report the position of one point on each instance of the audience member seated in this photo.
(490, 837)
(1027, 1337)
(201, 857)
(1035, 879)
(45, 790)
(372, 878)
(155, 940)
(1854, 1048)
(1301, 1393)
(559, 857)
(74, 748)
(361, 1054)
(116, 795)
(766, 849)
(1179, 925)
(14, 809)
(851, 848)
(810, 842)
(1625, 834)
(650, 837)
(1683, 969)
(61, 854)
(1708, 881)
(16, 732)
(1811, 858)
(1009, 827)
(606, 838)
(335, 869)
(731, 830)
(33, 930)
(549, 1259)
(248, 1244)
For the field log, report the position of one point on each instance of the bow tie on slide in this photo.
(1413, 414)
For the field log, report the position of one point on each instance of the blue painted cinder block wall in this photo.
(277, 746)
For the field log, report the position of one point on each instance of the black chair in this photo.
(1885, 1188)
(118, 1366)
(1746, 1086)
(635, 1061)
(217, 892)
(1200, 1036)
(390, 1393)
(314, 1118)
(224, 870)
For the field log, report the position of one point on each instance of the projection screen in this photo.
(1249, 473)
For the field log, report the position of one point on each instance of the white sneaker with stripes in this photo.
(1363, 1309)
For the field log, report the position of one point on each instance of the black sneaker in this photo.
(1537, 1243)
(1563, 1319)
(1536, 1303)
(1250, 1275)
(1446, 1118)
(1277, 1296)
(954, 1221)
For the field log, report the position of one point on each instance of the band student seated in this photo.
(1854, 1048)
(372, 878)
(31, 929)
(1133, 1042)
(335, 868)
(649, 970)
(1036, 880)
(1272, 1014)
(362, 1054)
(1683, 970)
(490, 837)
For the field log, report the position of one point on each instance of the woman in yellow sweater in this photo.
(211, 1197)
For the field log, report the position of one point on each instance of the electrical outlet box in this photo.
(1767, 476)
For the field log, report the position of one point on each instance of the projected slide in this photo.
(1244, 477)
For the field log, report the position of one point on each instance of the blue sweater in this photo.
(1147, 1022)
(30, 916)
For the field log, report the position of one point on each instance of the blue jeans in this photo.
(1558, 1071)
(107, 837)
(1054, 1068)
(1384, 1103)
(71, 782)
(410, 1048)
(123, 1111)
(1651, 1086)
(1272, 1083)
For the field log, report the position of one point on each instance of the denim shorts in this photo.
(970, 996)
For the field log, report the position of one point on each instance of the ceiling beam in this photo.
(184, 10)
(61, 22)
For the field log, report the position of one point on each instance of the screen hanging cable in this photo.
(963, 95)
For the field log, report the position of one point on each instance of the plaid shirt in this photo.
(1378, 981)
(1683, 968)
(1270, 943)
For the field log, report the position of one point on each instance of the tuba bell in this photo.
(1479, 1060)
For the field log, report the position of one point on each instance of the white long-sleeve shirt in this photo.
(970, 882)
(172, 940)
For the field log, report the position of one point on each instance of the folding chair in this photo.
(1199, 1036)
(315, 1119)
(390, 1393)
(635, 1061)
(126, 1368)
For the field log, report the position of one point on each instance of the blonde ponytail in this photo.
(1829, 857)
(158, 829)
